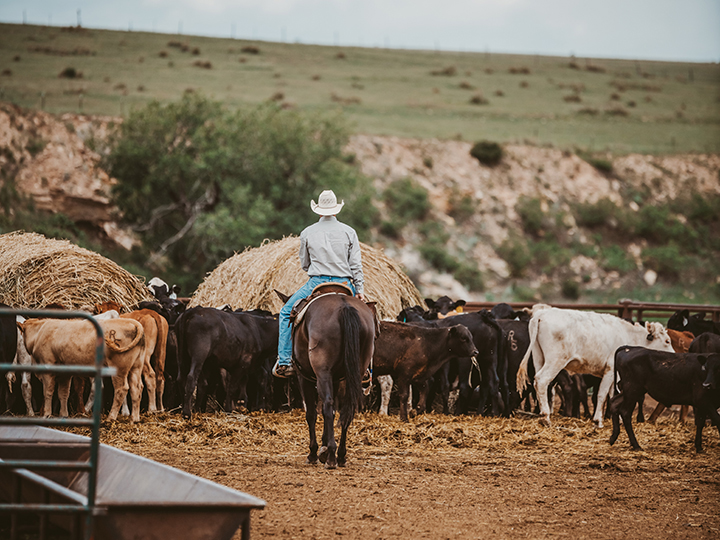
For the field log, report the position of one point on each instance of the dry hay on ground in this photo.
(446, 477)
(247, 280)
(37, 271)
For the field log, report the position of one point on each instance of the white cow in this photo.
(581, 342)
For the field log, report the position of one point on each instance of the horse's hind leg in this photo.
(309, 394)
(342, 449)
(328, 452)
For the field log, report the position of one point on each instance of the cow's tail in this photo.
(522, 377)
(350, 328)
(110, 338)
(182, 356)
(490, 320)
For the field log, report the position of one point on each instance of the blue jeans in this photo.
(285, 338)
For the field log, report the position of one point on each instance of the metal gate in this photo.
(23, 466)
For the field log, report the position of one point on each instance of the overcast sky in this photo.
(645, 29)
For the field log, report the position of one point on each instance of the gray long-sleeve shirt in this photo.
(331, 248)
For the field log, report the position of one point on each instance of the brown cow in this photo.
(72, 342)
(156, 333)
(412, 354)
(680, 342)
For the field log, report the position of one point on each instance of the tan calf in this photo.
(156, 332)
(72, 342)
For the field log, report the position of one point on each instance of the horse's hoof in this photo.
(331, 465)
(323, 454)
(341, 463)
(545, 421)
(311, 460)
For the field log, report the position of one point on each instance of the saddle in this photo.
(324, 289)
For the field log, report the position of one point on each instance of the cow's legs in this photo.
(48, 391)
(63, 384)
(27, 393)
(148, 374)
(386, 384)
(196, 364)
(613, 407)
(423, 392)
(543, 378)
(605, 387)
(121, 387)
(403, 388)
(135, 383)
(699, 425)
(309, 395)
(328, 452)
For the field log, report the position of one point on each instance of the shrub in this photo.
(487, 152)
(406, 200)
(428, 162)
(601, 164)
(549, 255)
(70, 73)
(667, 261)
(340, 56)
(462, 207)
(464, 85)
(595, 214)
(203, 64)
(163, 54)
(656, 224)
(615, 259)
(250, 49)
(438, 257)
(35, 146)
(391, 229)
(519, 71)
(570, 289)
(470, 276)
(515, 253)
(572, 98)
(196, 51)
(531, 214)
(449, 71)
(478, 99)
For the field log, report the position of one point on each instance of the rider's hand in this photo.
(361, 296)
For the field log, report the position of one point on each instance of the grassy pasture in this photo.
(629, 106)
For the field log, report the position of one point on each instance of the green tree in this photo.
(199, 182)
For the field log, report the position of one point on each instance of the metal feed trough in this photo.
(96, 491)
(136, 498)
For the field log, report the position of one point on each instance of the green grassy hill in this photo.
(617, 105)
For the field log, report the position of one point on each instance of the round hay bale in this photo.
(37, 271)
(246, 280)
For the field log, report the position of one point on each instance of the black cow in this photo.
(8, 348)
(238, 342)
(441, 306)
(682, 321)
(413, 353)
(671, 379)
(705, 343)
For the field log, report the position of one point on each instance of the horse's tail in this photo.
(350, 328)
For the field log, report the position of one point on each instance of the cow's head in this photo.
(711, 366)
(442, 306)
(461, 341)
(679, 320)
(411, 314)
(658, 337)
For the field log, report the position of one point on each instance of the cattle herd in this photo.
(492, 362)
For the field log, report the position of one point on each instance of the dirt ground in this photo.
(448, 477)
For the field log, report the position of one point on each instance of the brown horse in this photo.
(332, 347)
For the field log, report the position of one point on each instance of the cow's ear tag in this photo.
(685, 321)
(459, 309)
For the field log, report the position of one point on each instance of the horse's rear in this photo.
(333, 346)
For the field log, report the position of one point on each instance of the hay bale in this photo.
(246, 280)
(37, 271)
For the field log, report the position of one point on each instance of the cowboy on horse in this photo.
(329, 252)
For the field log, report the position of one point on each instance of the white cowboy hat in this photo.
(327, 204)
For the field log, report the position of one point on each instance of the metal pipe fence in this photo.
(24, 466)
